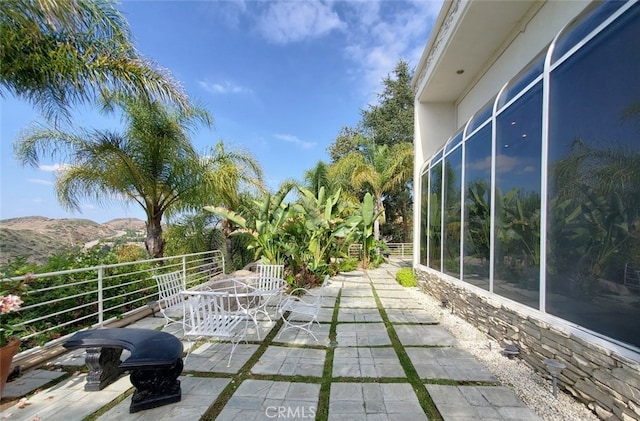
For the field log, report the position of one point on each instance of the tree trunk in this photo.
(154, 243)
(226, 231)
(379, 208)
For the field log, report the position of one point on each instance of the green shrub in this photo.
(406, 278)
(347, 265)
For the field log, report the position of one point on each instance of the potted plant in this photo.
(8, 343)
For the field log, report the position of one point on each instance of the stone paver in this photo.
(214, 357)
(424, 335)
(67, 400)
(398, 303)
(362, 334)
(479, 402)
(197, 395)
(31, 380)
(358, 302)
(355, 290)
(359, 401)
(358, 315)
(362, 350)
(366, 362)
(448, 363)
(291, 362)
(410, 316)
(264, 400)
(294, 336)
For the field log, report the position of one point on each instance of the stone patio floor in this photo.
(379, 356)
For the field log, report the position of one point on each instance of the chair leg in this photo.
(235, 344)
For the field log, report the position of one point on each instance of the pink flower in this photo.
(9, 303)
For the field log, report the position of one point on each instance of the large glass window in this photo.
(452, 212)
(517, 209)
(435, 216)
(424, 219)
(477, 207)
(593, 231)
(592, 273)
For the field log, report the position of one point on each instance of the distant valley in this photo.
(37, 238)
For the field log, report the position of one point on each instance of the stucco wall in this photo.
(608, 382)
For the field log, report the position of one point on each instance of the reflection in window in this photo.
(435, 216)
(453, 142)
(452, 212)
(517, 218)
(424, 227)
(477, 208)
(524, 78)
(593, 231)
(480, 117)
(597, 13)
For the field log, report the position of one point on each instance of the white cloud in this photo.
(295, 140)
(376, 34)
(223, 88)
(40, 181)
(481, 165)
(294, 21)
(53, 168)
(380, 34)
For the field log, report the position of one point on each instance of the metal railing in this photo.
(401, 249)
(395, 249)
(57, 304)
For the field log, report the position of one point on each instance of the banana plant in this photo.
(264, 224)
(318, 234)
(362, 222)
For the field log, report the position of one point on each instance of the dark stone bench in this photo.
(155, 363)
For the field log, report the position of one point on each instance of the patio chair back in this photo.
(170, 285)
(299, 309)
(209, 314)
(268, 276)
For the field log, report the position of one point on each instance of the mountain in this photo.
(37, 238)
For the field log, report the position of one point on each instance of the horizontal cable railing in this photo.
(395, 249)
(401, 249)
(57, 304)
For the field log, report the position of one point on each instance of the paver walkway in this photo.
(379, 357)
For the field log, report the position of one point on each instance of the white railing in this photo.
(56, 304)
(401, 249)
(395, 249)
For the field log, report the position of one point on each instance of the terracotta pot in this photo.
(6, 356)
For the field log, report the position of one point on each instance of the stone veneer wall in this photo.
(607, 382)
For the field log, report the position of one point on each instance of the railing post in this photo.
(100, 297)
(184, 267)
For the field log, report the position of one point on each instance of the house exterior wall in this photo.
(537, 301)
(607, 382)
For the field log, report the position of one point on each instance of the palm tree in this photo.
(379, 169)
(236, 175)
(152, 163)
(58, 53)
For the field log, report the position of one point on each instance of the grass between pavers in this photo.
(424, 399)
(322, 411)
(244, 373)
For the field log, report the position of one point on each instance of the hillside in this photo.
(37, 238)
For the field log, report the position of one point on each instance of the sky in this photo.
(280, 78)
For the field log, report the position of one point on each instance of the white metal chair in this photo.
(300, 311)
(270, 281)
(170, 285)
(209, 314)
(249, 301)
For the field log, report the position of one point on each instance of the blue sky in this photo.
(280, 78)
